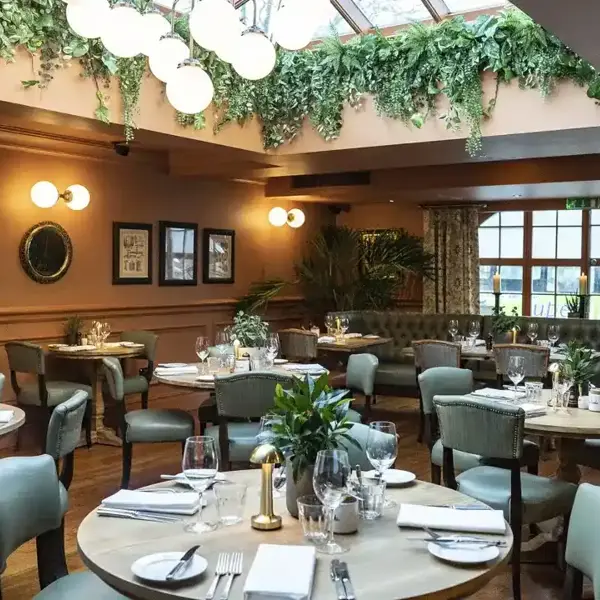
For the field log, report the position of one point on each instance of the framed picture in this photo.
(178, 253)
(132, 253)
(218, 256)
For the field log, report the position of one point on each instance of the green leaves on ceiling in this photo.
(424, 72)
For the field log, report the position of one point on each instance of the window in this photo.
(540, 256)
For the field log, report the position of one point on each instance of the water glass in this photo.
(315, 520)
(516, 370)
(372, 498)
(533, 391)
(272, 346)
(231, 499)
(532, 332)
(453, 328)
(214, 364)
(382, 449)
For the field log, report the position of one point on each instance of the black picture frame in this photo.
(167, 269)
(210, 268)
(138, 236)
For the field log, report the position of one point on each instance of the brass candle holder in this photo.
(266, 455)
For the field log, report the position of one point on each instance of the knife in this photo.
(343, 570)
(182, 564)
(335, 577)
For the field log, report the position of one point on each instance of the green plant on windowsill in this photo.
(72, 328)
(250, 330)
(572, 303)
(503, 323)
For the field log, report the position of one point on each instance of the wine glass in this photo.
(329, 323)
(330, 482)
(202, 345)
(344, 324)
(553, 333)
(453, 328)
(222, 340)
(382, 449)
(200, 465)
(272, 346)
(532, 332)
(474, 330)
(516, 370)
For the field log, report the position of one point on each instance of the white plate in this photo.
(131, 345)
(205, 378)
(393, 477)
(155, 567)
(463, 554)
(58, 345)
(280, 361)
(370, 336)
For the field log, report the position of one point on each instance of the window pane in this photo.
(510, 301)
(511, 242)
(543, 243)
(562, 312)
(542, 279)
(569, 242)
(468, 5)
(595, 216)
(512, 279)
(595, 307)
(511, 218)
(486, 273)
(567, 280)
(542, 306)
(569, 217)
(486, 304)
(595, 243)
(544, 217)
(384, 13)
(489, 243)
(594, 280)
(492, 221)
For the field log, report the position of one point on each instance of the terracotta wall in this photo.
(384, 216)
(32, 311)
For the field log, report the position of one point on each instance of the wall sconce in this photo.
(45, 195)
(278, 217)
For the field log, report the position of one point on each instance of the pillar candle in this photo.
(496, 280)
(514, 332)
(583, 285)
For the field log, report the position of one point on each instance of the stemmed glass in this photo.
(474, 330)
(272, 347)
(532, 332)
(222, 340)
(344, 324)
(516, 370)
(202, 345)
(329, 323)
(453, 328)
(382, 449)
(200, 465)
(553, 333)
(330, 482)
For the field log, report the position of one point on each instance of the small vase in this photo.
(296, 489)
(72, 338)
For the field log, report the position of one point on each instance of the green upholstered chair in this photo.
(495, 430)
(30, 507)
(450, 381)
(359, 377)
(144, 425)
(140, 383)
(298, 344)
(356, 456)
(583, 543)
(43, 395)
(536, 360)
(587, 454)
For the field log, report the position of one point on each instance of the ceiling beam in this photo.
(353, 15)
(437, 9)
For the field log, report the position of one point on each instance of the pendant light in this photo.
(87, 18)
(255, 55)
(166, 55)
(293, 26)
(123, 31)
(190, 89)
(154, 25)
(213, 23)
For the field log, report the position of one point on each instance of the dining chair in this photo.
(146, 425)
(536, 359)
(30, 507)
(583, 548)
(359, 377)
(495, 430)
(247, 396)
(45, 395)
(2, 379)
(140, 383)
(450, 381)
(358, 456)
(298, 344)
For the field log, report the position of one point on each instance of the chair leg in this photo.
(573, 588)
(88, 423)
(45, 432)
(51, 556)
(516, 526)
(533, 469)
(374, 399)
(368, 400)
(436, 474)
(126, 468)
(145, 399)
(421, 420)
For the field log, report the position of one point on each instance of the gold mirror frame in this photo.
(25, 246)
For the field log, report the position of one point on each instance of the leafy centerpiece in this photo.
(579, 365)
(249, 330)
(503, 324)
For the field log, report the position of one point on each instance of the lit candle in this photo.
(496, 280)
(514, 331)
(583, 285)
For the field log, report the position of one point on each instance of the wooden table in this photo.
(384, 563)
(100, 433)
(351, 345)
(16, 422)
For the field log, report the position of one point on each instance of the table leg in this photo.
(568, 470)
(100, 433)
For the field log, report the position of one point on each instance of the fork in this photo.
(441, 539)
(235, 568)
(221, 569)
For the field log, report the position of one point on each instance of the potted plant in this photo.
(572, 303)
(73, 327)
(579, 365)
(250, 331)
(307, 418)
(503, 324)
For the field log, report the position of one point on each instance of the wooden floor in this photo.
(98, 471)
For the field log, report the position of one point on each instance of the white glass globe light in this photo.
(278, 216)
(123, 31)
(166, 56)
(80, 197)
(190, 89)
(44, 194)
(293, 28)
(213, 20)
(295, 218)
(226, 46)
(87, 18)
(255, 55)
(154, 25)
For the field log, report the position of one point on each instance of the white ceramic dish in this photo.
(463, 554)
(155, 567)
(131, 345)
(371, 336)
(280, 361)
(393, 477)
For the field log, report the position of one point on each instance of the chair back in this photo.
(360, 373)
(248, 395)
(536, 358)
(2, 379)
(435, 353)
(64, 429)
(583, 540)
(481, 426)
(446, 381)
(148, 338)
(298, 344)
(25, 357)
(29, 502)
(114, 378)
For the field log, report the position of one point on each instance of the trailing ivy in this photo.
(407, 75)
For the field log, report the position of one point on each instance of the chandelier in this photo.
(213, 24)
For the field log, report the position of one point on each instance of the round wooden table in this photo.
(100, 433)
(384, 563)
(17, 420)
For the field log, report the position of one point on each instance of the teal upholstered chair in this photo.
(583, 543)
(495, 430)
(358, 456)
(298, 344)
(360, 377)
(144, 425)
(2, 379)
(30, 507)
(450, 381)
(140, 383)
(44, 395)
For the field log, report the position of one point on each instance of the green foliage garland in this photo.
(406, 74)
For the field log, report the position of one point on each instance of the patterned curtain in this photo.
(452, 236)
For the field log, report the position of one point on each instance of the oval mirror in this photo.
(46, 252)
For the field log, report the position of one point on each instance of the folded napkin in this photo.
(436, 517)
(308, 368)
(326, 339)
(77, 348)
(480, 342)
(171, 365)
(349, 336)
(185, 503)
(292, 579)
(6, 416)
(497, 394)
(189, 370)
(531, 409)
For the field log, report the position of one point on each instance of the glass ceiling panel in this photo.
(460, 6)
(386, 13)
